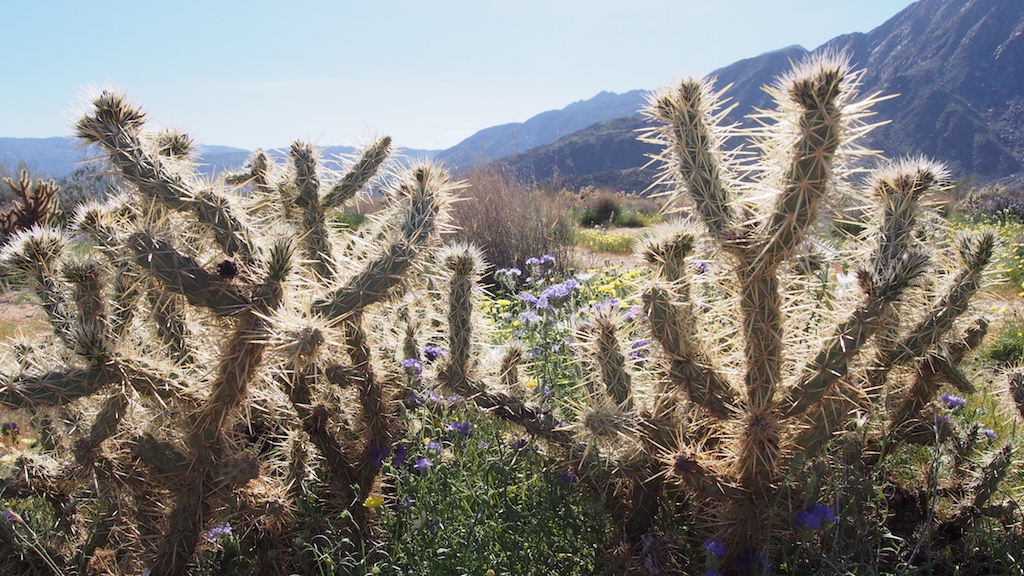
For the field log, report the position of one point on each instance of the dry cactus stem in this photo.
(185, 323)
(36, 204)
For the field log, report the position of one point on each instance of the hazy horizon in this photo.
(335, 73)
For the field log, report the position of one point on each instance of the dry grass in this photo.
(511, 223)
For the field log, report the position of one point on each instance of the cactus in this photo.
(186, 316)
(727, 415)
(36, 204)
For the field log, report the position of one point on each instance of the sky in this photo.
(334, 72)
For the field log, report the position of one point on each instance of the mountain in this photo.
(506, 139)
(957, 66)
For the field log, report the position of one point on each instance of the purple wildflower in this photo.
(218, 533)
(481, 445)
(814, 517)
(529, 316)
(405, 503)
(432, 526)
(401, 453)
(435, 446)
(991, 434)
(519, 444)
(952, 401)
(715, 548)
(432, 397)
(547, 259)
(463, 428)
(533, 300)
(12, 516)
(422, 464)
(378, 454)
(10, 429)
(702, 266)
(634, 313)
(568, 478)
(412, 365)
(413, 401)
(533, 261)
(431, 352)
(547, 392)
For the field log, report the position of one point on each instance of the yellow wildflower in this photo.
(374, 501)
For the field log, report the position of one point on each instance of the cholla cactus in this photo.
(185, 317)
(767, 371)
(36, 204)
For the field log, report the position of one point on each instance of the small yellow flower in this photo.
(530, 383)
(503, 302)
(373, 501)
(516, 323)
(8, 458)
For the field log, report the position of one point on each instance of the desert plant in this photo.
(34, 204)
(755, 385)
(510, 222)
(206, 355)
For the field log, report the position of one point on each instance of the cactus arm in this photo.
(424, 193)
(116, 126)
(182, 275)
(359, 175)
(671, 325)
(976, 252)
(693, 150)
(938, 367)
(833, 361)
(611, 363)
(314, 236)
(57, 387)
(809, 172)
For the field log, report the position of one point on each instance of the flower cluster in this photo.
(463, 428)
(218, 533)
(953, 402)
(815, 517)
(11, 429)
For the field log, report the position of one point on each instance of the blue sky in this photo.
(337, 72)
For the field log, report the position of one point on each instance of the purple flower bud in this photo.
(463, 428)
(422, 464)
(715, 548)
(952, 401)
(401, 453)
(412, 365)
(431, 352)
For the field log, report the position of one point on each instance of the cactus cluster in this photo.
(760, 364)
(214, 342)
(207, 334)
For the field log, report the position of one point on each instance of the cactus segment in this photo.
(116, 126)
(58, 387)
(693, 149)
(359, 175)
(423, 191)
(816, 91)
(183, 275)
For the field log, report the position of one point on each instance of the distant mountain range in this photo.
(957, 65)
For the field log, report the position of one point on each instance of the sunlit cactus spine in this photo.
(182, 305)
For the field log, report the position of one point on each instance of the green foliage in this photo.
(1008, 346)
